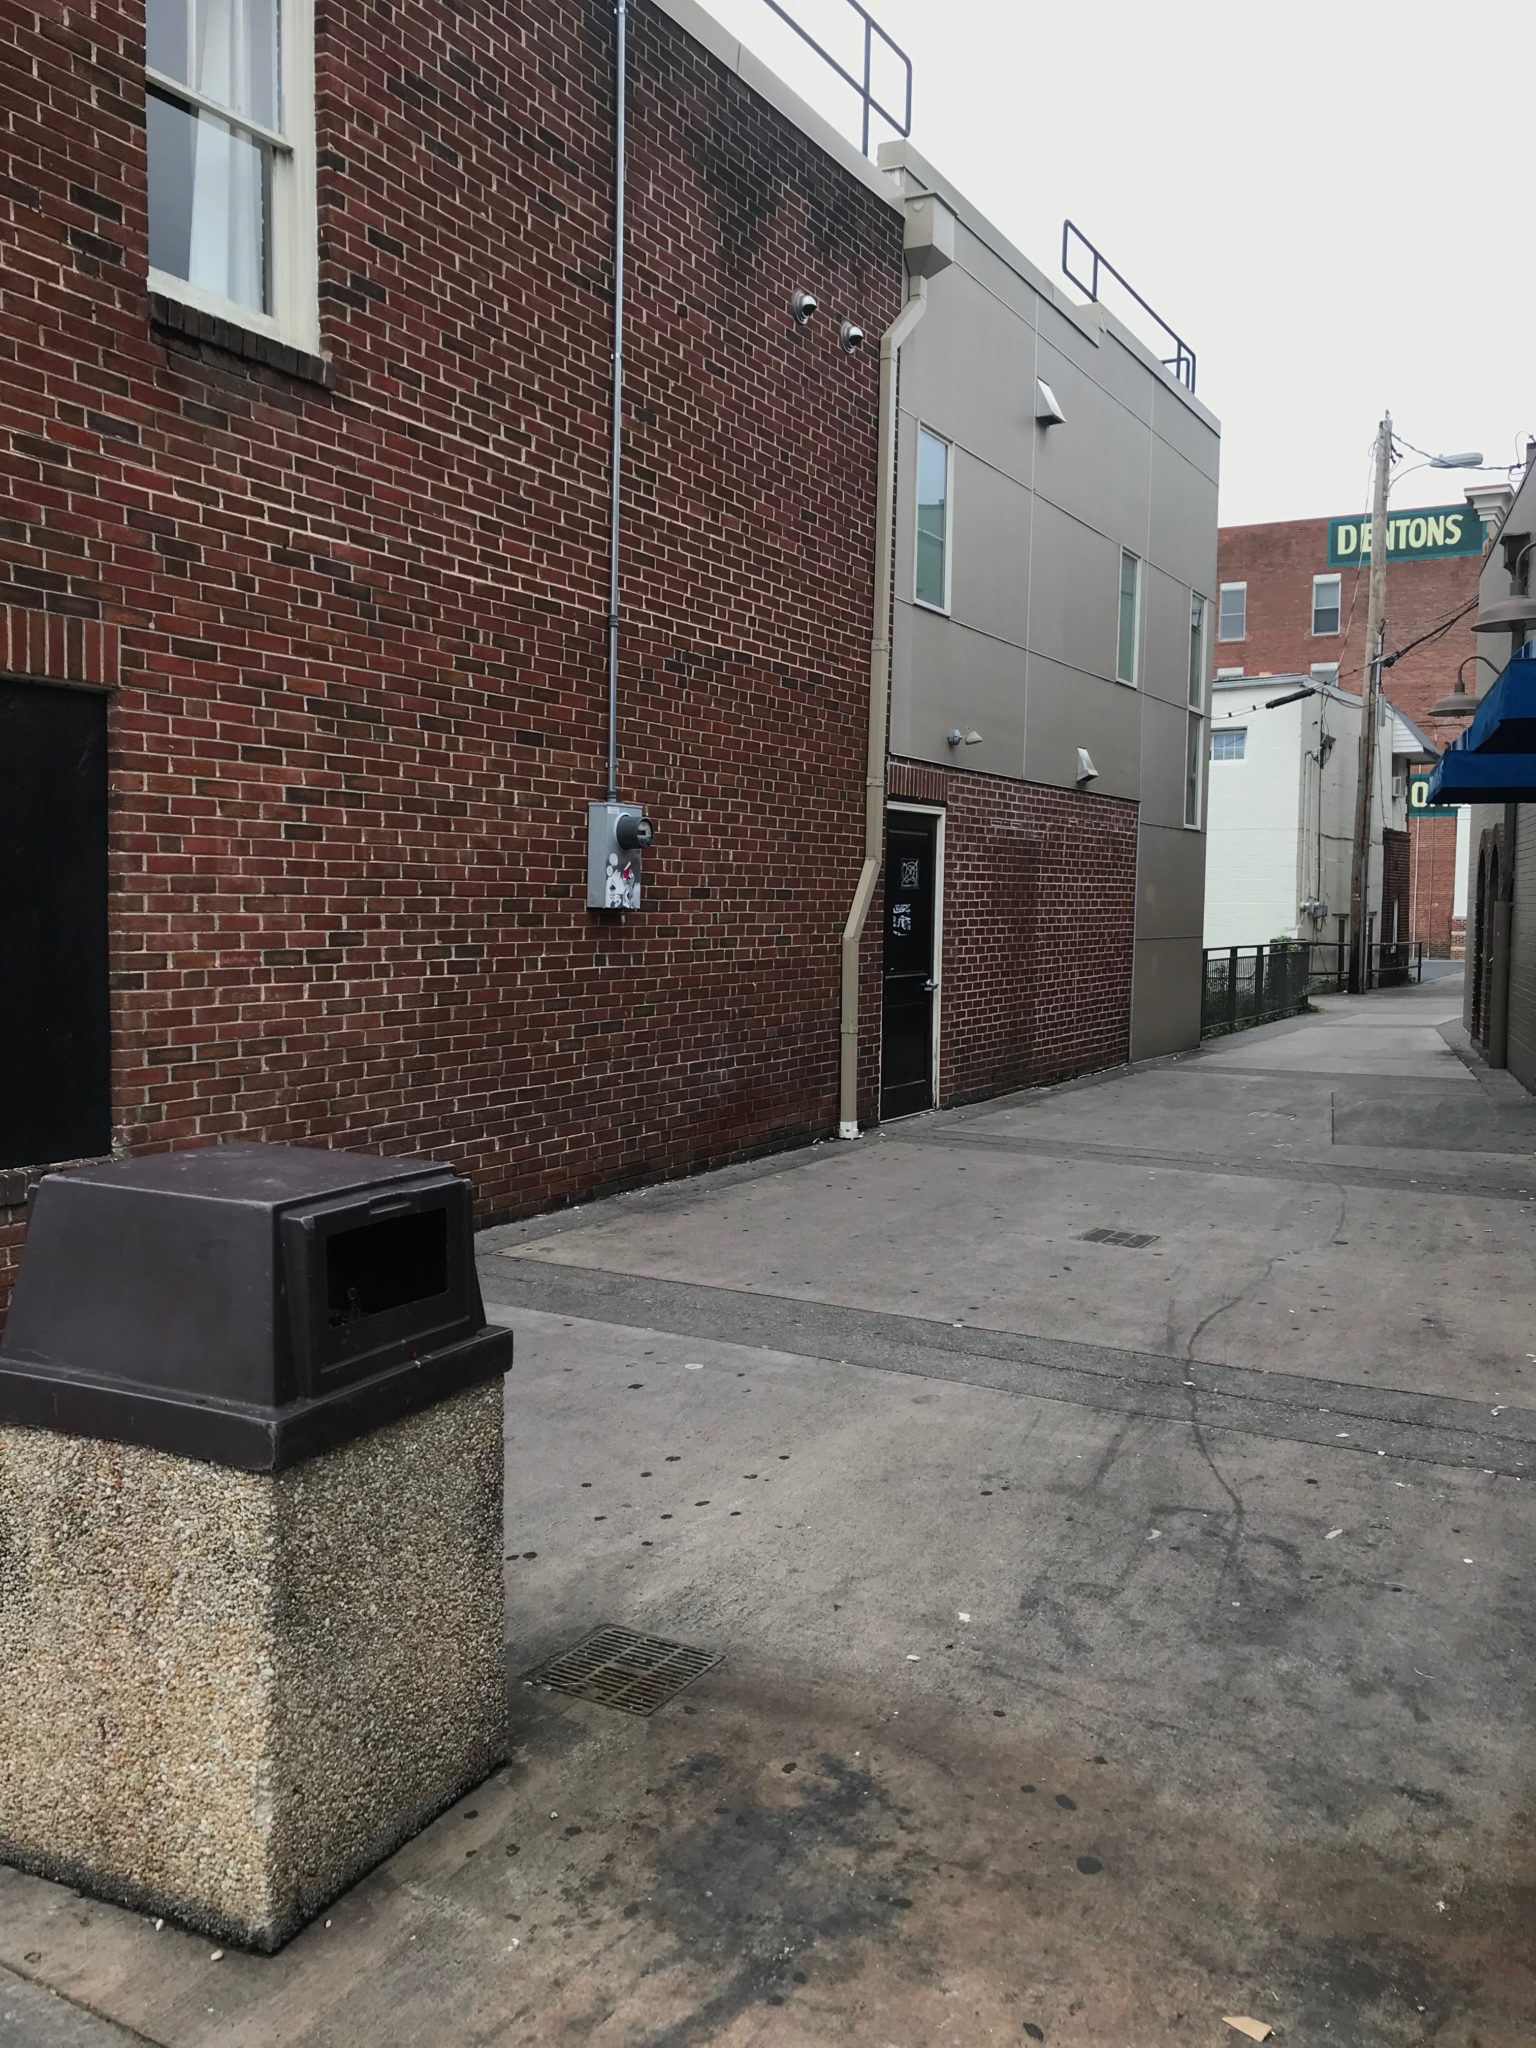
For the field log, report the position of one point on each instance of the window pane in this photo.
(1125, 662)
(1192, 771)
(234, 55)
(1325, 604)
(1229, 746)
(207, 203)
(932, 518)
(1196, 650)
(1232, 618)
(166, 24)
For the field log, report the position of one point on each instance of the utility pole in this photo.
(1365, 794)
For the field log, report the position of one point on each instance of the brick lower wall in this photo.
(1039, 929)
(357, 621)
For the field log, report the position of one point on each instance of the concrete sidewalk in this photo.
(1114, 1635)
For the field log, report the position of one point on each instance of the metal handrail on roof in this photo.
(1181, 364)
(870, 102)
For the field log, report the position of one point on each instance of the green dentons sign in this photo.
(1419, 805)
(1411, 536)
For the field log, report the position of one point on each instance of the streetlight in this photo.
(1460, 703)
(1360, 873)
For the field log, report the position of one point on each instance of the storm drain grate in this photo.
(1132, 1239)
(614, 1667)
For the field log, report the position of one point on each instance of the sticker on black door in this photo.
(910, 978)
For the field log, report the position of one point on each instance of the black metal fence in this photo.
(1247, 985)
(1392, 965)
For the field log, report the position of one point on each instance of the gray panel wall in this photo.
(1027, 653)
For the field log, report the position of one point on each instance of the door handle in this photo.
(929, 987)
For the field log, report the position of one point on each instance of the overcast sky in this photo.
(1218, 154)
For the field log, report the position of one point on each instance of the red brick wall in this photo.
(1039, 929)
(1278, 563)
(361, 629)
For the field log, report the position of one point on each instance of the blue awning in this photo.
(1506, 717)
(1494, 760)
(1462, 777)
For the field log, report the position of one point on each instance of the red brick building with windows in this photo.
(1269, 577)
(306, 353)
(346, 602)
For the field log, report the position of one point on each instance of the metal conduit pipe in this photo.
(879, 703)
(620, 108)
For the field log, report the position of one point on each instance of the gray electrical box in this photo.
(617, 835)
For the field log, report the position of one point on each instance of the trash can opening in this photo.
(382, 1265)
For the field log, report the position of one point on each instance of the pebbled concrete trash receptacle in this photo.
(251, 1609)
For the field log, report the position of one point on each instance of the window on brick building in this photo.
(1229, 672)
(230, 141)
(1232, 612)
(54, 1088)
(930, 582)
(1130, 617)
(1325, 604)
(1194, 738)
(1231, 745)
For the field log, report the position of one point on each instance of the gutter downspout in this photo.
(879, 703)
(620, 109)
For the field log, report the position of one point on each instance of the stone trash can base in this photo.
(224, 1694)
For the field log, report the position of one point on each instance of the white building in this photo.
(1284, 764)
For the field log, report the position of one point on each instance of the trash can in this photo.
(251, 1609)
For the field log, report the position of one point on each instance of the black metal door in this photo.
(54, 1101)
(911, 896)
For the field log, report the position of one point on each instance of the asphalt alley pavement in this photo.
(1112, 1636)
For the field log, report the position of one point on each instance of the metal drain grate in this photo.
(1132, 1239)
(614, 1667)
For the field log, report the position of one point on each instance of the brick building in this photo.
(305, 353)
(1290, 604)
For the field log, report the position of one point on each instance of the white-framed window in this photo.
(1325, 672)
(1325, 604)
(1128, 649)
(1230, 744)
(229, 108)
(1232, 612)
(1229, 672)
(930, 571)
(1194, 738)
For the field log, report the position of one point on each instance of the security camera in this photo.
(852, 338)
(802, 305)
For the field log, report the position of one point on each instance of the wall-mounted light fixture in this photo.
(1086, 772)
(1047, 412)
(802, 305)
(956, 738)
(1460, 702)
(851, 337)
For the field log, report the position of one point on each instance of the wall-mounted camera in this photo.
(851, 338)
(802, 305)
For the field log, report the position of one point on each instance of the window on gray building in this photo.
(1232, 612)
(1230, 745)
(1325, 604)
(1130, 616)
(1194, 739)
(931, 575)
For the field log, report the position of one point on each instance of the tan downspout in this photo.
(879, 703)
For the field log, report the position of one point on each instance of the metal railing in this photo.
(1246, 985)
(1391, 965)
(1181, 363)
(870, 102)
